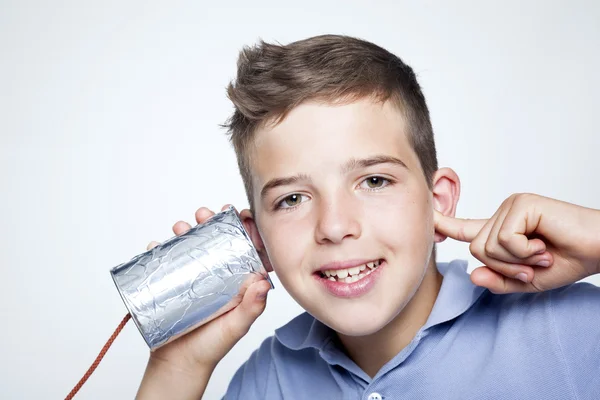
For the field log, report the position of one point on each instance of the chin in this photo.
(353, 328)
(359, 322)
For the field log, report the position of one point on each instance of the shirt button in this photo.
(375, 396)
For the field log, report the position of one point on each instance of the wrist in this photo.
(185, 367)
(164, 379)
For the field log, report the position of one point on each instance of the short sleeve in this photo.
(253, 379)
(576, 313)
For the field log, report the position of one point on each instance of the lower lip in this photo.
(354, 289)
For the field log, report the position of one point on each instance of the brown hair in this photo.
(273, 79)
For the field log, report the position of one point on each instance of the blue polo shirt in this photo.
(475, 345)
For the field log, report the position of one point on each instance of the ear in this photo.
(446, 192)
(250, 225)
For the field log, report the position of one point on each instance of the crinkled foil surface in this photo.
(190, 279)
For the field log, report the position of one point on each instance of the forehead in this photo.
(319, 137)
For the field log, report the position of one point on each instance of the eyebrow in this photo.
(357, 163)
(350, 165)
(289, 180)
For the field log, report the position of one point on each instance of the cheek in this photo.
(402, 221)
(286, 243)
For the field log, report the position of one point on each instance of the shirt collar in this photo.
(457, 294)
(304, 332)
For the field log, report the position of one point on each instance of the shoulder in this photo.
(252, 378)
(572, 300)
(265, 371)
(575, 310)
(564, 313)
(570, 314)
(578, 297)
(575, 315)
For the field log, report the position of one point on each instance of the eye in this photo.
(292, 200)
(375, 182)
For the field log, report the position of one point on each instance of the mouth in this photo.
(350, 275)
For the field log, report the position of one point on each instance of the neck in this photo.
(372, 352)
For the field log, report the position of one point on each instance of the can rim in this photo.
(249, 239)
(129, 307)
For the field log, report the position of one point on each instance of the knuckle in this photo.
(508, 200)
(504, 237)
(523, 197)
(490, 250)
(476, 249)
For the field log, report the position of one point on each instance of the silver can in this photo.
(190, 279)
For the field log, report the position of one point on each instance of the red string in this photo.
(99, 358)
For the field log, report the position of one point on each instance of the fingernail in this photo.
(522, 276)
(542, 251)
(543, 263)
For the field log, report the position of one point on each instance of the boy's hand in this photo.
(181, 368)
(532, 243)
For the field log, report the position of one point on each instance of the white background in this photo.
(109, 134)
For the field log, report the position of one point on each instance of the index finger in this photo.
(464, 230)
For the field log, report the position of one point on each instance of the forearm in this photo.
(163, 381)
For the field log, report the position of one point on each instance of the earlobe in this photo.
(250, 226)
(446, 192)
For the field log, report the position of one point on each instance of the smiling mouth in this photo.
(350, 275)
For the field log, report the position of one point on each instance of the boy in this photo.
(336, 150)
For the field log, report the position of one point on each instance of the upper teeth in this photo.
(343, 273)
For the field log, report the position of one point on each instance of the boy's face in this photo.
(341, 187)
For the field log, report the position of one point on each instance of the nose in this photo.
(337, 220)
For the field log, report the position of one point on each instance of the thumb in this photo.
(252, 306)
(464, 230)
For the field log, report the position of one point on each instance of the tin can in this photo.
(190, 279)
